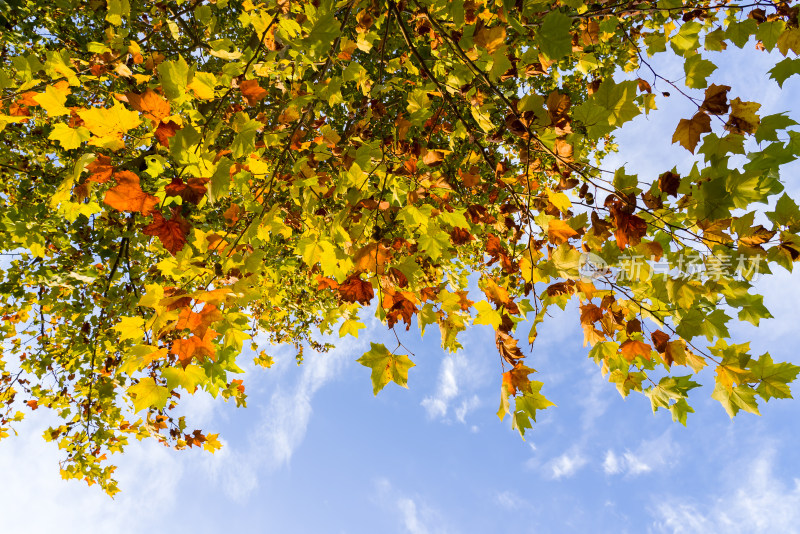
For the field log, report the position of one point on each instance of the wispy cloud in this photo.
(456, 377)
(286, 417)
(567, 464)
(650, 455)
(417, 517)
(761, 502)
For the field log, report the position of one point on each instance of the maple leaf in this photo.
(399, 306)
(516, 380)
(559, 231)
(386, 367)
(716, 100)
(199, 323)
(195, 347)
(166, 130)
(148, 394)
(371, 258)
(669, 182)
(354, 289)
(632, 348)
(252, 92)
(100, 170)
(660, 340)
(743, 118)
(127, 195)
(171, 232)
(192, 191)
(490, 38)
(150, 104)
(629, 228)
(507, 346)
(688, 132)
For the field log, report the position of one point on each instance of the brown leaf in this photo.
(252, 92)
(127, 195)
(172, 233)
(688, 132)
(716, 100)
(507, 346)
(354, 289)
(460, 236)
(400, 306)
(669, 182)
(590, 313)
(660, 340)
(644, 86)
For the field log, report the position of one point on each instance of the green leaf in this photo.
(386, 367)
(774, 378)
(555, 40)
(784, 69)
(697, 70)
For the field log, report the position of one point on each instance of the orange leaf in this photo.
(631, 349)
(150, 104)
(199, 323)
(371, 258)
(517, 379)
(100, 170)
(127, 195)
(194, 348)
(559, 232)
(166, 130)
(252, 92)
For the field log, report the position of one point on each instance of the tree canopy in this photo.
(187, 181)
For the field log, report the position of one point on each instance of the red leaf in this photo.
(354, 289)
(172, 233)
(192, 191)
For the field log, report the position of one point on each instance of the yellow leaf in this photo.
(109, 124)
(147, 394)
(52, 101)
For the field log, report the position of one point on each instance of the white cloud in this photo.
(650, 455)
(760, 503)
(284, 421)
(417, 517)
(567, 464)
(510, 501)
(35, 499)
(456, 374)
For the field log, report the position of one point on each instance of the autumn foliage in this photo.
(185, 184)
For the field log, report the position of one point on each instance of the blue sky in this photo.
(316, 452)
